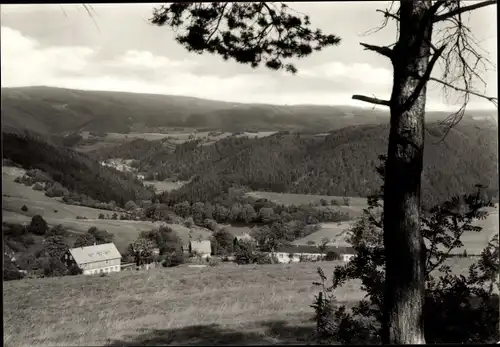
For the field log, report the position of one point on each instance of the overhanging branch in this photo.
(371, 100)
(452, 13)
(458, 89)
(386, 51)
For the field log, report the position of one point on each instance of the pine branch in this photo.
(460, 10)
(371, 100)
(385, 51)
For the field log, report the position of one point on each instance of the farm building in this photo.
(294, 253)
(202, 248)
(95, 259)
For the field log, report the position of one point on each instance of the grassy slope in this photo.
(221, 305)
(254, 304)
(15, 195)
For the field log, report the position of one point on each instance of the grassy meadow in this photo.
(214, 305)
(226, 304)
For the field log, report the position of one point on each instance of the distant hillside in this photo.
(75, 171)
(57, 110)
(342, 163)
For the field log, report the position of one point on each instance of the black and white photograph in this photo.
(250, 173)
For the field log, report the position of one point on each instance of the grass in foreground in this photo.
(218, 305)
(227, 304)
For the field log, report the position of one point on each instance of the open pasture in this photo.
(213, 305)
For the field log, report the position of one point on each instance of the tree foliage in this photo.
(249, 33)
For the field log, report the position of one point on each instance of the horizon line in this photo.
(360, 106)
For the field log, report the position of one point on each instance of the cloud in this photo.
(25, 63)
(358, 72)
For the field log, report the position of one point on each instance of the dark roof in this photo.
(314, 249)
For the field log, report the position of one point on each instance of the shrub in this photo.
(74, 270)
(57, 230)
(101, 216)
(130, 205)
(56, 190)
(38, 186)
(38, 225)
(213, 262)
(189, 222)
(24, 208)
(262, 258)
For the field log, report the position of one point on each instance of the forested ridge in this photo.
(341, 163)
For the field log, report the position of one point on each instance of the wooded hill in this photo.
(48, 110)
(73, 170)
(342, 163)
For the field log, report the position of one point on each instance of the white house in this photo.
(95, 259)
(201, 248)
(294, 253)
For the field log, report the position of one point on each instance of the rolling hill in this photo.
(49, 110)
(73, 170)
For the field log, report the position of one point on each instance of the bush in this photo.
(213, 262)
(101, 216)
(24, 208)
(38, 186)
(189, 222)
(130, 205)
(38, 225)
(56, 190)
(74, 270)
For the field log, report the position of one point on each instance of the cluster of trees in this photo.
(36, 250)
(165, 240)
(73, 170)
(234, 207)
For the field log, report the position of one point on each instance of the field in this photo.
(356, 205)
(227, 304)
(164, 186)
(173, 137)
(222, 305)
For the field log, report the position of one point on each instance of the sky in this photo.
(117, 49)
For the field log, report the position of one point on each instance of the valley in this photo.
(247, 189)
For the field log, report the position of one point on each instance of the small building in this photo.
(345, 253)
(294, 253)
(95, 259)
(201, 248)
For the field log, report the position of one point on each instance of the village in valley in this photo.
(186, 179)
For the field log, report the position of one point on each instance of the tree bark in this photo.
(405, 257)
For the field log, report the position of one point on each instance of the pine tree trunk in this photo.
(405, 257)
